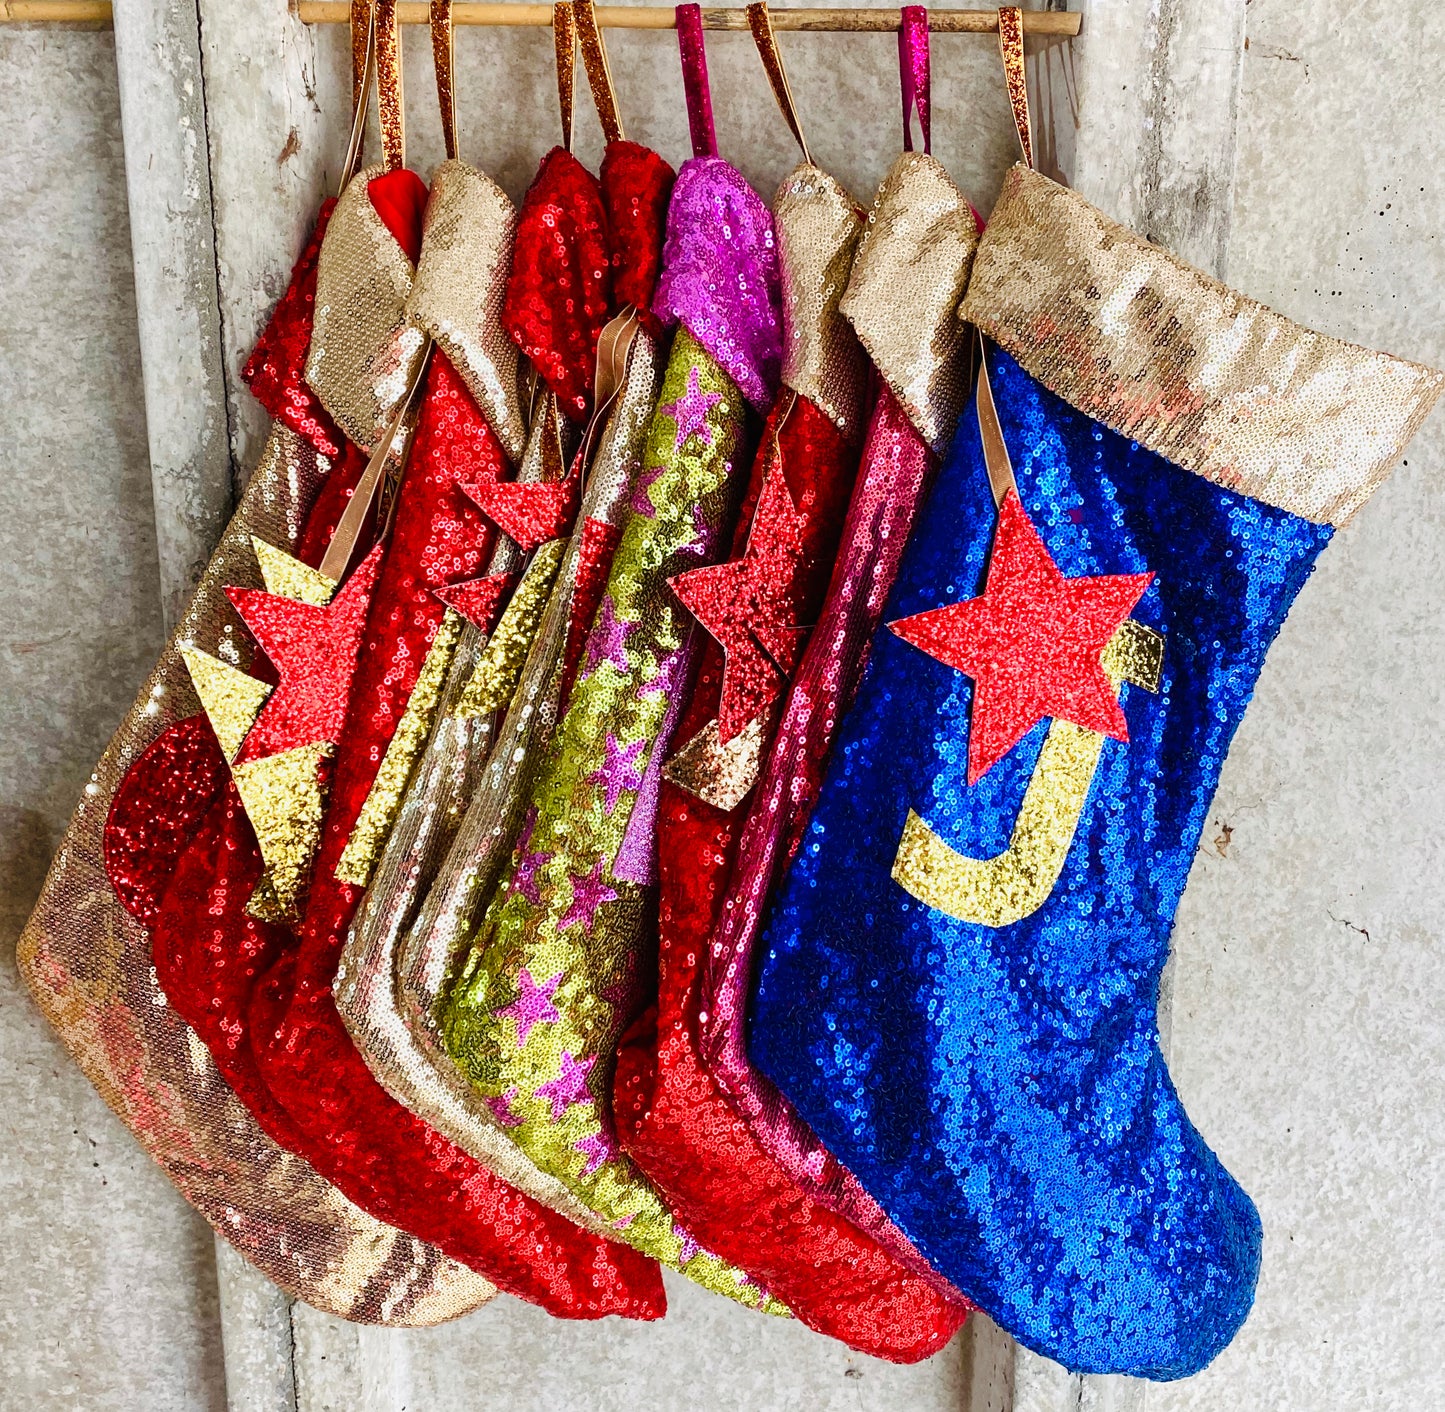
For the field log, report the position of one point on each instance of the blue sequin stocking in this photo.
(1000, 1090)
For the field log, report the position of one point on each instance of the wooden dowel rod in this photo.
(84, 12)
(1052, 22)
(1058, 23)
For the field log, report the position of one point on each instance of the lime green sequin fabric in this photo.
(552, 975)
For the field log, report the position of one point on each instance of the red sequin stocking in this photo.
(671, 1116)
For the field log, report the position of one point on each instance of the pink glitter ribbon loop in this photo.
(694, 80)
(914, 74)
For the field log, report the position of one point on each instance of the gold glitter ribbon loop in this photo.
(443, 50)
(361, 39)
(599, 71)
(760, 21)
(1011, 47)
(564, 44)
(389, 94)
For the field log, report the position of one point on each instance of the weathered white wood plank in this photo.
(173, 251)
(256, 1329)
(277, 139)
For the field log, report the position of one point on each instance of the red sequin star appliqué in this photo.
(1031, 642)
(479, 601)
(531, 513)
(314, 652)
(748, 605)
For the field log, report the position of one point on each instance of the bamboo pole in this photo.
(82, 12)
(1055, 23)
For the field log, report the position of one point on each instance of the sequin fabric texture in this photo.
(465, 788)
(555, 969)
(909, 271)
(275, 371)
(1000, 1090)
(87, 955)
(559, 293)
(282, 1031)
(671, 1117)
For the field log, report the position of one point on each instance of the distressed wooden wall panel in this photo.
(110, 1293)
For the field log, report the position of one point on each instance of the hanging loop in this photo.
(363, 76)
(915, 75)
(693, 54)
(361, 41)
(1011, 46)
(599, 71)
(760, 21)
(443, 53)
(564, 42)
(996, 460)
(388, 86)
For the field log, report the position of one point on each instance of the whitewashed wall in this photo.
(109, 1288)
(1303, 1031)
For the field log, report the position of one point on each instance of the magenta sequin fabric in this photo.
(720, 275)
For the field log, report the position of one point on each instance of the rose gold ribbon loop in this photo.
(443, 61)
(388, 86)
(1011, 47)
(760, 21)
(344, 540)
(564, 42)
(599, 71)
(363, 75)
(990, 433)
(361, 11)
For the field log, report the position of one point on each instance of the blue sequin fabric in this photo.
(1001, 1091)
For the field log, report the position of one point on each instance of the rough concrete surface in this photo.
(1308, 1042)
(109, 1286)
(708, 1353)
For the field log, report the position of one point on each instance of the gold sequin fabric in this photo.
(460, 288)
(500, 666)
(88, 963)
(819, 225)
(454, 830)
(363, 350)
(1187, 367)
(909, 273)
(378, 814)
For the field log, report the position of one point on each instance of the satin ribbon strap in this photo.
(363, 76)
(564, 41)
(990, 434)
(442, 53)
(342, 549)
(599, 71)
(915, 74)
(694, 80)
(1011, 47)
(761, 24)
(388, 86)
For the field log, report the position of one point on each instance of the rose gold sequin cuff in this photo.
(908, 276)
(460, 288)
(818, 226)
(1190, 369)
